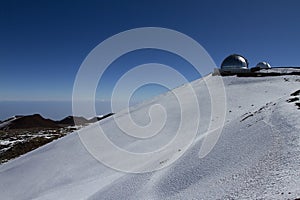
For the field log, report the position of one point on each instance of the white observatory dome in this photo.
(263, 65)
(234, 61)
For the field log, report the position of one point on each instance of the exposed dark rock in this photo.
(246, 117)
(292, 99)
(72, 120)
(297, 93)
(37, 121)
(26, 133)
(21, 148)
(30, 121)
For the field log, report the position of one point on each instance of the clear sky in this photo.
(43, 43)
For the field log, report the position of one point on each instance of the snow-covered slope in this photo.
(256, 157)
(7, 122)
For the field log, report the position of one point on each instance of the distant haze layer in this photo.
(50, 109)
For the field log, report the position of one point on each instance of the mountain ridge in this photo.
(256, 156)
(37, 121)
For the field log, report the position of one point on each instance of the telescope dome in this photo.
(263, 65)
(235, 61)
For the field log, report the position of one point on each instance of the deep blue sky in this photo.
(43, 43)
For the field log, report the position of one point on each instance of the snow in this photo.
(7, 142)
(256, 157)
(75, 127)
(282, 70)
(5, 123)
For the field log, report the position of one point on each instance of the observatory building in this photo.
(237, 65)
(263, 65)
(234, 64)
